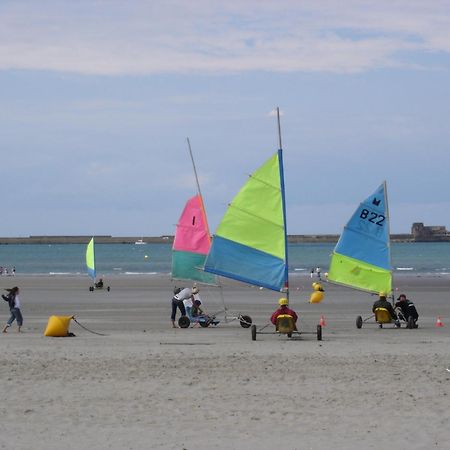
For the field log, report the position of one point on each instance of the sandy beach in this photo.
(147, 386)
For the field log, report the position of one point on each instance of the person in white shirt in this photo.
(178, 302)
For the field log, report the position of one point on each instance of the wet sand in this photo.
(146, 385)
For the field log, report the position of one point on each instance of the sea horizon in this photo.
(431, 258)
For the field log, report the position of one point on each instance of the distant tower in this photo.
(418, 230)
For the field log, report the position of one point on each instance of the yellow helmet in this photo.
(382, 294)
(283, 301)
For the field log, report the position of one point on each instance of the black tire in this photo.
(91, 289)
(253, 329)
(319, 332)
(204, 323)
(184, 322)
(108, 288)
(411, 323)
(245, 321)
(359, 322)
(289, 335)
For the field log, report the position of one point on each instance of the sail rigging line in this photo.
(356, 231)
(279, 128)
(205, 219)
(87, 329)
(263, 219)
(277, 188)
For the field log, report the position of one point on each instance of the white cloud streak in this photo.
(148, 37)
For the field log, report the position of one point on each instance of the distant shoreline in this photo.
(168, 239)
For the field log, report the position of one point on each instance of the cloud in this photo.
(145, 37)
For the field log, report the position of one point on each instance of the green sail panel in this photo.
(358, 274)
(255, 217)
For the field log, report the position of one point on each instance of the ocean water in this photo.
(150, 259)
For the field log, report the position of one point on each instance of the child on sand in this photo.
(14, 307)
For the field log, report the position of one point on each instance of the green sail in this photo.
(255, 216)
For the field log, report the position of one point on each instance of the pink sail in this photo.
(192, 233)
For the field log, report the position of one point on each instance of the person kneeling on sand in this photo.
(408, 309)
(383, 303)
(14, 307)
(177, 302)
(284, 309)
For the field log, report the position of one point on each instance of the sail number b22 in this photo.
(375, 218)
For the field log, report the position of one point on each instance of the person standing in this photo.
(177, 302)
(14, 307)
(318, 271)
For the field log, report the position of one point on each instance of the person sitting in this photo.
(99, 284)
(284, 309)
(408, 309)
(196, 310)
(383, 303)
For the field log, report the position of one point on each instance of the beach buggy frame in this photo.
(382, 317)
(98, 286)
(285, 326)
(206, 320)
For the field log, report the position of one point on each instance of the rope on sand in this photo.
(186, 343)
(87, 329)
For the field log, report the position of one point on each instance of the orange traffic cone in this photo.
(439, 322)
(322, 322)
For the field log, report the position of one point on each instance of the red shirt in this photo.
(283, 310)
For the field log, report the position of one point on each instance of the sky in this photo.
(98, 97)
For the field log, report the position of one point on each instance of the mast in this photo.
(283, 199)
(388, 235)
(198, 186)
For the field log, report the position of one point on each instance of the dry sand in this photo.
(147, 386)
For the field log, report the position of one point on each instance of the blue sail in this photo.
(362, 257)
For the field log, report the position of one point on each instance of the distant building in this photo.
(422, 233)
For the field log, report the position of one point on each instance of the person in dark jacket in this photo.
(14, 307)
(383, 303)
(408, 308)
(283, 309)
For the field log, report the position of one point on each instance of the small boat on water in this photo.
(140, 242)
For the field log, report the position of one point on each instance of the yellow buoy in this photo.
(316, 297)
(318, 287)
(58, 326)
